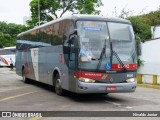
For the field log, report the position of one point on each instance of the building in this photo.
(155, 30)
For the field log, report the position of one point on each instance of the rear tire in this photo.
(58, 89)
(25, 79)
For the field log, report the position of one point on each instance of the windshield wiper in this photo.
(118, 58)
(120, 61)
(111, 57)
(101, 56)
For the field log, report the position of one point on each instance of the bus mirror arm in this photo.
(73, 33)
(137, 38)
(66, 49)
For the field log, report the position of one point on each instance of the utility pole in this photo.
(39, 19)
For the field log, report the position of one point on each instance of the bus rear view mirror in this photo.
(138, 45)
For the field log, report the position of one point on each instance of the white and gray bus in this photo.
(51, 54)
(7, 55)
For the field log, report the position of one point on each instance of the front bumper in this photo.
(102, 87)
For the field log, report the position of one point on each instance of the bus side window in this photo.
(72, 51)
(72, 54)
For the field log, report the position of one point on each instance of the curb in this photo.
(149, 86)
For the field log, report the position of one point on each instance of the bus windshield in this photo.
(96, 39)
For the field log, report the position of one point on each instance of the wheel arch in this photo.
(55, 72)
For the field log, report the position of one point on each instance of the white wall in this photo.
(151, 57)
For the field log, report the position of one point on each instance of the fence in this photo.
(148, 79)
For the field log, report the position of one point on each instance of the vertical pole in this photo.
(139, 78)
(154, 79)
(39, 13)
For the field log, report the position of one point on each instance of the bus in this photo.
(50, 54)
(6, 54)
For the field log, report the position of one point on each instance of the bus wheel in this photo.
(25, 80)
(58, 88)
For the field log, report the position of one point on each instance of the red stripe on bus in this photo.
(91, 75)
(27, 69)
(26, 65)
(4, 60)
(61, 58)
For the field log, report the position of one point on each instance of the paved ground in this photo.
(18, 96)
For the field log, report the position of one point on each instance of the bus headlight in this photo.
(87, 80)
(131, 80)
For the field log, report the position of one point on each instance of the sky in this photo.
(13, 11)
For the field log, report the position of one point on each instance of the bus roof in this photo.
(80, 17)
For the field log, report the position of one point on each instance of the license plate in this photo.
(111, 88)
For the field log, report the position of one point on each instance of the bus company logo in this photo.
(6, 114)
(93, 74)
(111, 79)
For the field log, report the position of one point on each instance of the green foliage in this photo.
(141, 29)
(140, 62)
(50, 9)
(6, 40)
(142, 24)
(88, 6)
(8, 33)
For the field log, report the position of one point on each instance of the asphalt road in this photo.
(18, 96)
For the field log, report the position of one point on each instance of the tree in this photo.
(142, 24)
(141, 29)
(12, 29)
(9, 32)
(50, 9)
(6, 40)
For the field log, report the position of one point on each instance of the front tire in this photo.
(58, 88)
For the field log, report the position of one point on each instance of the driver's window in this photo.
(72, 50)
(72, 53)
(86, 51)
